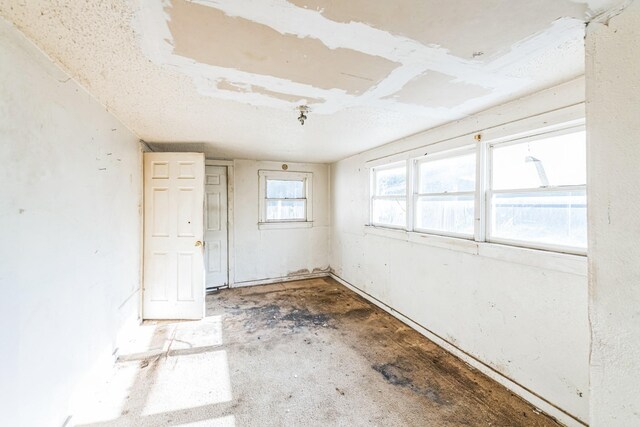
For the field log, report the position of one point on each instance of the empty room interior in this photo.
(320, 213)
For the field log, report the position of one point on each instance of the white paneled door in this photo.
(174, 285)
(215, 226)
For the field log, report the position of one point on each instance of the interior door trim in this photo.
(230, 220)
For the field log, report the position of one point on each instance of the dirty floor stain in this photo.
(332, 339)
(305, 353)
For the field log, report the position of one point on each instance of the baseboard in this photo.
(530, 396)
(280, 279)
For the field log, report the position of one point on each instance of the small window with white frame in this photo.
(537, 192)
(389, 195)
(285, 197)
(444, 193)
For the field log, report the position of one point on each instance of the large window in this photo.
(524, 191)
(538, 194)
(285, 196)
(389, 195)
(445, 194)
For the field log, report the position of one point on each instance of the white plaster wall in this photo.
(278, 253)
(526, 319)
(70, 193)
(613, 129)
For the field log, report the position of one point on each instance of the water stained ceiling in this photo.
(226, 76)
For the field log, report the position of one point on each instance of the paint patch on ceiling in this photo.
(209, 36)
(243, 88)
(433, 88)
(468, 29)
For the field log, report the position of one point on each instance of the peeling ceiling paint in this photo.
(209, 36)
(413, 58)
(226, 75)
(491, 22)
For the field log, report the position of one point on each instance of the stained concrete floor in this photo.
(306, 353)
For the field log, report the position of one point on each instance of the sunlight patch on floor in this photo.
(187, 381)
(166, 372)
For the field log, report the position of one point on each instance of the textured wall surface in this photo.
(70, 196)
(613, 128)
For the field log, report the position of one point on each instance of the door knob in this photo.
(199, 243)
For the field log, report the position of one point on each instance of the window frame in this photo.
(483, 193)
(448, 154)
(490, 192)
(307, 180)
(373, 196)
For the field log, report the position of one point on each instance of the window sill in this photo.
(284, 225)
(557, 261)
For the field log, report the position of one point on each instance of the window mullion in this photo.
(286, 198)
(389, 197)
(452, 193)
(409, 199)
(482, 184)
(488, 195)
(550, 189)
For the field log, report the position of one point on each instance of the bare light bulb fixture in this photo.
(304, 110)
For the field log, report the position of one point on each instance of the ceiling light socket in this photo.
(304, 110)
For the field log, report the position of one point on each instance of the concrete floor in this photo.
(306, 353)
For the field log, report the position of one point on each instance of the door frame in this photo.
(230, 241)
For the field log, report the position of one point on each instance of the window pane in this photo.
(391, 182)
(559, 160)
(285, 210)
(558, 218)
(285, 189)
(454, 214)
(453, 174)
(390, 212)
